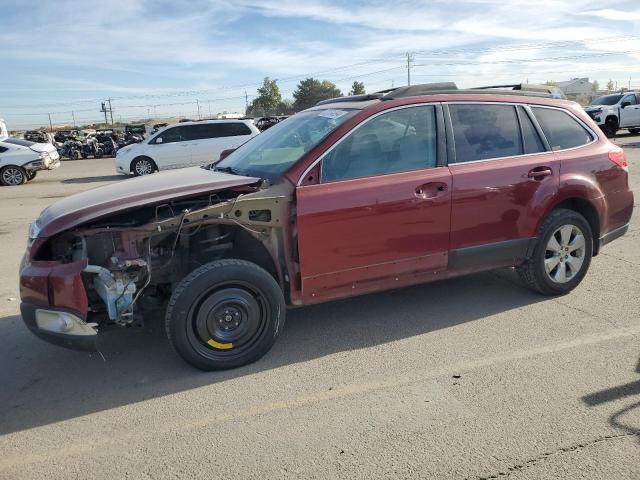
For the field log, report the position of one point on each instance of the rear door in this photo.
(380, 216)
(171, 148)
(502, 171)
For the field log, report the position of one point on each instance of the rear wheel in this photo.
(562, 255)
(610, 127)
(31, 175)
(225, 314)
(143, 166)
(12, 175)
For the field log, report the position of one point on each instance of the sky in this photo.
(160, 58)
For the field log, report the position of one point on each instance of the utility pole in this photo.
(103, 109)
(50, 125)
(198, 104)
(73, 115)
(209, 103)
(409, 60)
(110, 111)
(246, 102)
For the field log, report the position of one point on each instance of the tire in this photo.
(634, 131)
(567, 267)
(225, 314)
(610, 127)
(98, 153)
(31, 175)
(143, 166)
(84, 155)
(12, 175)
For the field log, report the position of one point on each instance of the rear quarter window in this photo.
(3, 149)
(561, 129)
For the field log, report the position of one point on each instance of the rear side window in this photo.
(235, 129)
(484, 131)
(217, 130)
(561, 129)
(3, 149)
(531, 138)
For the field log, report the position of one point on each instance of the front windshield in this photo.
(607, 100)
(271, 153)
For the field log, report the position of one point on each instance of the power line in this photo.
(387, 59)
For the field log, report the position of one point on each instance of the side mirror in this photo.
(225, 153)
(625, 104)
(159, 140)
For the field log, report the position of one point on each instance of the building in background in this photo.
(578, 89)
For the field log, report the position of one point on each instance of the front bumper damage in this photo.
(54, 304)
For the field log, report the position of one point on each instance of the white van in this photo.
(184, 145)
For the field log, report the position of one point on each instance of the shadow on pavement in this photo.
(618, 420)
(42, 384)
(103, 178)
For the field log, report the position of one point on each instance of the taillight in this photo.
(618, 157)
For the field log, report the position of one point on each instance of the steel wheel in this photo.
(143, 166)
(565, 253)
(12, 176)
(225, 314)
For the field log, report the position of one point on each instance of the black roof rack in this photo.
(445, 88)
(352, 98)
(421, 89)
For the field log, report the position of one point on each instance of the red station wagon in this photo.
(355, 195)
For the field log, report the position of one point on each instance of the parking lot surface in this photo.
(474, 377)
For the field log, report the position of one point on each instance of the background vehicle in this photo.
(355, 195)
(140, 129)
(183, 145)
(72, 148)
(616, 111)
(157, 127)
(21, 159)
(37, 136)
(3, 129)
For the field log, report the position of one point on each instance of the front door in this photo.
(380, 215)
(503, 172)
(172, 148)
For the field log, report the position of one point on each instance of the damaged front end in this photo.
(108, 272)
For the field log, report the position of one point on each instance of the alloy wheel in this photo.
(12, 176)
(565, 253)
(143, 167)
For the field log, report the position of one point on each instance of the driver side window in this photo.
(631, 99)
(397, 141)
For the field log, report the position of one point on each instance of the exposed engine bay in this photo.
(146, 251)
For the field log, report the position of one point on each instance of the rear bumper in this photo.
(59, 327)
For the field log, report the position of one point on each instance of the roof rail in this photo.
(421, 89)
(351, 98)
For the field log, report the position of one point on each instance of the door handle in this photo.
(539, 173)
(431, 190)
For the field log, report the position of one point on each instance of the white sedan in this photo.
(21, 159)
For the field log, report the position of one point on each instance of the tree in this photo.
(595, 86)
(551, 83)
(268, 100)
(610, 86)
(310, 91)
(357, 88)
(285, 107)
